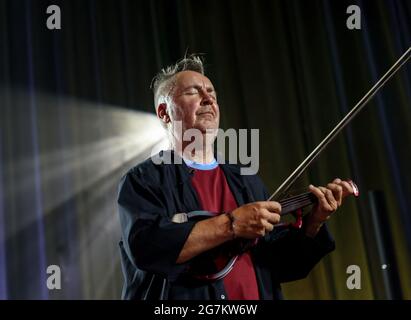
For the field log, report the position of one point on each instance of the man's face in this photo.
(195, 102)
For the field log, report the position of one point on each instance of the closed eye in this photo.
(191, 91)
(194, 91)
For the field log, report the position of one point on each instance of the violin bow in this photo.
(286, 185)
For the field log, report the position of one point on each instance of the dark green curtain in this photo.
(75, 107)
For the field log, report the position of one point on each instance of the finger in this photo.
(271, 217)
(322, 200)
(316, 191)
(337, 180)
(337, 191)
(272, 206)
(267, 226)
(347, 188)
(330, 198)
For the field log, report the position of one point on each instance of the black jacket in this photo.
(150, 194)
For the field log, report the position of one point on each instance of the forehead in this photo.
(191, 78)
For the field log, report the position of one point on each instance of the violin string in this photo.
(299, 203)
(294, 199)
(295, 204)
(290, 210)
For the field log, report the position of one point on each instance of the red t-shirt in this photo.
(215, 195)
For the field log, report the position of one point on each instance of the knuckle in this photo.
(255, 210)
(260, 214)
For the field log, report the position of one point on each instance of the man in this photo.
(158, 250)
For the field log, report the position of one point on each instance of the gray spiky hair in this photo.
(163, 81)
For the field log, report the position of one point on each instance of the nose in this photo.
(206, 101)
(206, 98)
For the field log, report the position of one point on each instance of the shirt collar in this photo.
(201, 166)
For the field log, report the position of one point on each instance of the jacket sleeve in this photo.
(151, 240)
(295, 255)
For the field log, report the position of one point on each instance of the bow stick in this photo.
(286, 185)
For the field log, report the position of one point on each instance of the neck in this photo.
(199, 155)
(198, 149)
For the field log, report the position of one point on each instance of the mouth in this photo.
(206, 113)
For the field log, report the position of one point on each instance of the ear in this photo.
(162, 113)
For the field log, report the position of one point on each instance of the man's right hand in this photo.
(252, 220)
(255, 219)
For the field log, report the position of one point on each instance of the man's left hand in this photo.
(330, 198)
